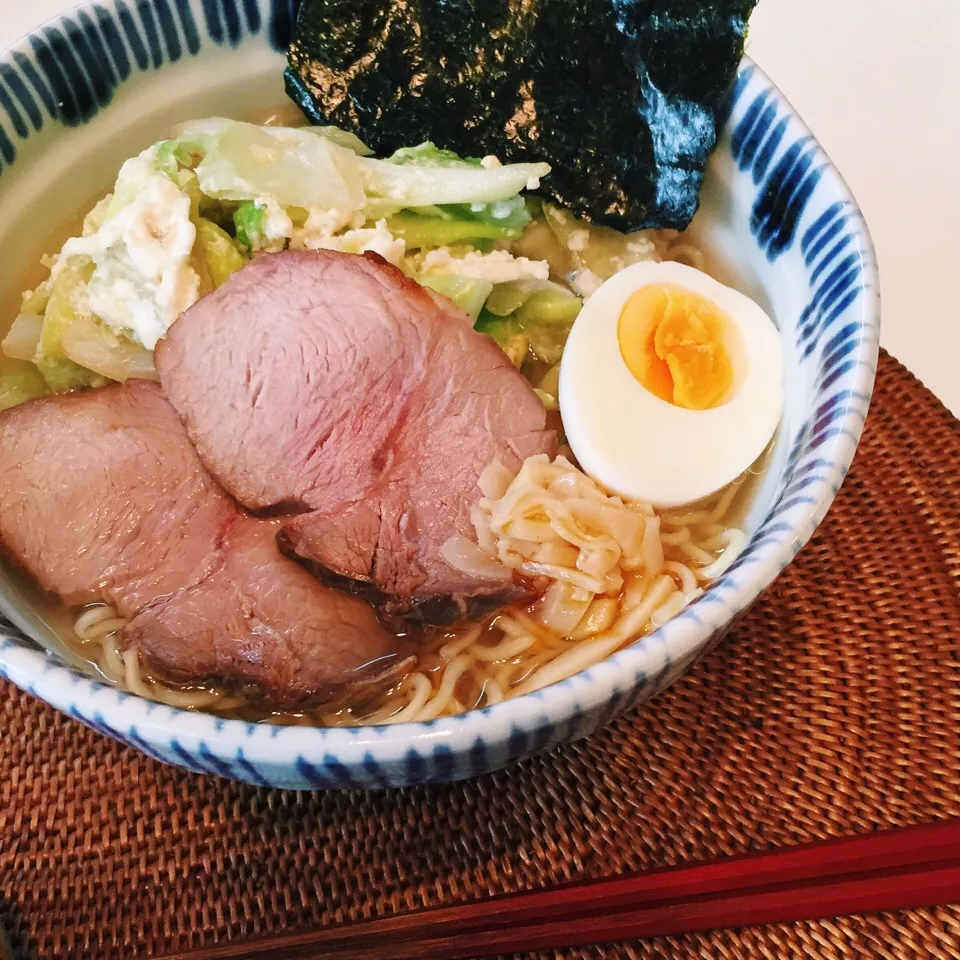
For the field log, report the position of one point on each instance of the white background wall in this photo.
(878, 81)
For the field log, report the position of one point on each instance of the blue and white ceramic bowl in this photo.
(95, 86)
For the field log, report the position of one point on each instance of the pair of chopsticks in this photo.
(889, 870)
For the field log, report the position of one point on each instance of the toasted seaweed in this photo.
(623, 97)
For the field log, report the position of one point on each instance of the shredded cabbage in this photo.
(240, 190)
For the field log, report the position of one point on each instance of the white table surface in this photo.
(879, 84)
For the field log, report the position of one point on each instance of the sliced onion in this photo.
(598, 562)
(562, 607)
(557, 553)
(465, 555)
(481, 525)
(494, 480)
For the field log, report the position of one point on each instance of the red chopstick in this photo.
(895, 869)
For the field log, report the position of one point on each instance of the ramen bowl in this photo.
(98, 84)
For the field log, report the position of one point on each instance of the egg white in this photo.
(642, 447)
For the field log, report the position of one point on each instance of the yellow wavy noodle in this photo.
(516, 652)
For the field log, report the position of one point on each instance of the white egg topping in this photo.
(671, 384)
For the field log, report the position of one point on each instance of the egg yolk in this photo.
(674, 342)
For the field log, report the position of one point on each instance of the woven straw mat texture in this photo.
(833, 708)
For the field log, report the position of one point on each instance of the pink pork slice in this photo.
(102, 497)
(333, 388)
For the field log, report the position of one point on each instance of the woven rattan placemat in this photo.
(834, 707)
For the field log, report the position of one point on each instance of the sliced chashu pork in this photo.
(332, 387)
(102, 497)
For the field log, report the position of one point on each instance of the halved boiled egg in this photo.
(671, 384)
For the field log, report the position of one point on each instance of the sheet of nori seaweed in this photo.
(622, 97)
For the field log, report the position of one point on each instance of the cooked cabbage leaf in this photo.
(94, 346)
(301, 169)
(21, 384)
(220, 254)
(543, 311)
(242, 161)
(248, 223)
(67, 303)
(419, 231)
(500, 328)
(430, 155)
(23, 338)
(426, 184)
(468, 293)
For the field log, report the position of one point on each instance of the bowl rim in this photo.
(609, 680)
